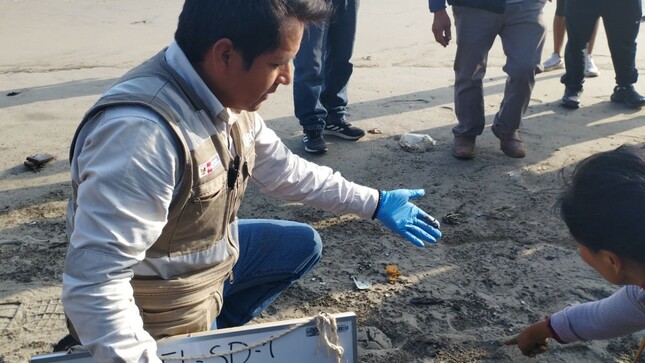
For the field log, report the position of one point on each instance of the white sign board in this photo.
(258, 343)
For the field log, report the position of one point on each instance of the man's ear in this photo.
(219, 55)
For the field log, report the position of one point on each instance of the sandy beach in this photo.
(505, 260)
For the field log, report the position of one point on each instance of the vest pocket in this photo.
(185, 304)
(201, 223)
(189, 319)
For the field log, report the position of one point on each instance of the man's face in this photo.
(246, 89)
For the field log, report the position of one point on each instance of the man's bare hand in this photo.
(441, 27)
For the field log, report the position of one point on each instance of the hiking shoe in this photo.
(463, 147)
(511, 144)
(591, 70)
(344, 130)
(571, 98)
(314, 142)
(554, 62)
(628, 96)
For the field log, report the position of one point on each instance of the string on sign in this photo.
(328, 336)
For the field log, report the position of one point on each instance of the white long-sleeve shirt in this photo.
(127, 169)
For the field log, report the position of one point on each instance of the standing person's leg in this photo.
(581, 16)
(592, 40)
(622, 23)
(523, 33)
(338, 69)
(591, 70)
(308, 79)
(273, 255)
(559, 29)
(476, 31)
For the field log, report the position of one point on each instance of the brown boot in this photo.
(464, 147)
(512, 145)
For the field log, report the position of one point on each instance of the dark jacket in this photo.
(496, 6)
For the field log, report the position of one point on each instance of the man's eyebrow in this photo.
(284, 59)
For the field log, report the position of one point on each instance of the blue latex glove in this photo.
(405, 218)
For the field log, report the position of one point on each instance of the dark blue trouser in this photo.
(621, 20)
(273, 255)
(323, 67)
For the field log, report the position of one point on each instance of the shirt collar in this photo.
(178, 61)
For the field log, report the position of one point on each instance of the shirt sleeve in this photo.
(125, 166)
(619, 314)
(282, 174)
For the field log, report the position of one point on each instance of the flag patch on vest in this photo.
(209, 166)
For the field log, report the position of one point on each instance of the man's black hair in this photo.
(254, 26)
(604, 205)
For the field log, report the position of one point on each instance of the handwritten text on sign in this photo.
(256, 344)
(247, 344)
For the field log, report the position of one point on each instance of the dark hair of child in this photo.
(604, 205)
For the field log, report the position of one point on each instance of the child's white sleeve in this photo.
(619, 314)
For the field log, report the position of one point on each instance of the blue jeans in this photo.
(323, 67)
(273, 255)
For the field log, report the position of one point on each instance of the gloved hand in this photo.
(405, 218)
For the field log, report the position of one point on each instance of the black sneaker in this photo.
(571, 98)
(628, 96)
(314, 142)
(344, 130)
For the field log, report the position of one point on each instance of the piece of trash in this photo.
(361, 284)
(375, 131)
(416, 143)
(37, 161)
(393, 273)
(515, 174)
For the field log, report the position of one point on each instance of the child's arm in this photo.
(619, 314)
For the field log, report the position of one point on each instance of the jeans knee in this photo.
(314, 242)
(310, 246)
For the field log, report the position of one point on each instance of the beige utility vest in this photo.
(200, 215)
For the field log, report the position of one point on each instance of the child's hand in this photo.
(533, 340)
